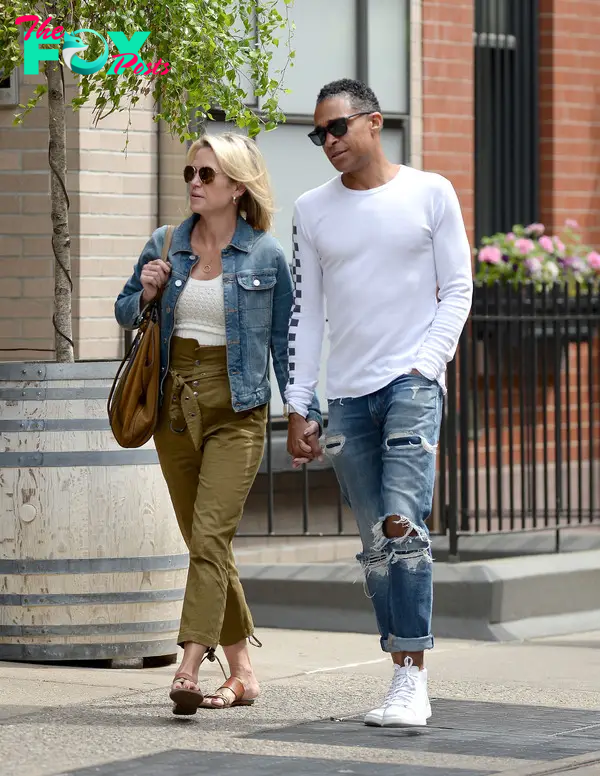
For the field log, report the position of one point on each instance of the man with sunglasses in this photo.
(385, 247)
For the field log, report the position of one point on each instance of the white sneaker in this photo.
(407, 703)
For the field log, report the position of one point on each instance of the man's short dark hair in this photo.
(361, 96)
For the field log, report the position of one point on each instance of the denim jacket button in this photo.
(168, 309)
(256, 282)
(178, 283)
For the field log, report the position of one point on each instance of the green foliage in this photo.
(219, 53)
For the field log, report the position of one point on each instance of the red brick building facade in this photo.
(568, 187)
(569, 111)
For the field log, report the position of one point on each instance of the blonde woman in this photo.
(225, 307)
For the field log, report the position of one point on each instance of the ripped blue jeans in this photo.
(383, 450)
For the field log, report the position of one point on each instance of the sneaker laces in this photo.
(404, 685)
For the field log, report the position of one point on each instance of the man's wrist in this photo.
(289, 410)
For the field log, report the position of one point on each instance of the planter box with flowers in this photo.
(535, 289)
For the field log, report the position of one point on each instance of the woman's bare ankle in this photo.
(190, 663)
(240, 666)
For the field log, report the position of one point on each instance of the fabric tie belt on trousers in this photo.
(184, 411)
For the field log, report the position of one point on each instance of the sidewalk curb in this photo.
(500, 600)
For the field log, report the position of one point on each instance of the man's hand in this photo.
(415, 372)
(303, 440)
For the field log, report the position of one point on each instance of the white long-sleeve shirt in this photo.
(376, 259)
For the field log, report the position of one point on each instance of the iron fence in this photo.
(520, 446)
(520, 440)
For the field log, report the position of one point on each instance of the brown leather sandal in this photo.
(235, 696)
(187, 701)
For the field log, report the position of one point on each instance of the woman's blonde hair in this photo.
(240, 159)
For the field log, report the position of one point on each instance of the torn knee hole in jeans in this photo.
(378, 563)
(374, 562)
(334, 444)
(381, 541)
(408, 439)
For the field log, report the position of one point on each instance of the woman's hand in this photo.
(303, 441)
(153, 277)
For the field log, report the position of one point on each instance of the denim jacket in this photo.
(257, 287)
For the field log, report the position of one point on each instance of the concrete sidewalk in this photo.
(519, 708)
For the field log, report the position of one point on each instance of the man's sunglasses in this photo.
(335, 127)
(206, 174)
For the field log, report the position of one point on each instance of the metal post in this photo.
(452, 438)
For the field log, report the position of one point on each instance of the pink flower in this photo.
(524, 246)
(558, 244)
(535, 230)
(534, 266)
(593, 260)
(490, 254)
(510, 235)
(547, 244)
(571, 223)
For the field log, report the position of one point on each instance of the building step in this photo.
(499, 600)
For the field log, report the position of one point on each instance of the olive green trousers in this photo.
(209, 456)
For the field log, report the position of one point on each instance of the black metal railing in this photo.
(520, 440)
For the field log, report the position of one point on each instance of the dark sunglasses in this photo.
(206, 174)
(335, 127)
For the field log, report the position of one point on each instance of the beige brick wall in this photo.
(416, 84)
(26, 259)
(172, 188)
(116, 213)
(114, 209)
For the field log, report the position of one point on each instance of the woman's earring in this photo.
(234, 200)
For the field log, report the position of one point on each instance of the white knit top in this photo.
(374, 259)
(200, 312)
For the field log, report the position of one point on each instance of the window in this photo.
(9, 89)
(506, 54)
(365, 39)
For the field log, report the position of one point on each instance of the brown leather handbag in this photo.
(133, 399)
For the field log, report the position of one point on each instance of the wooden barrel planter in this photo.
(92, 564)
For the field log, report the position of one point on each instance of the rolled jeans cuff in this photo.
(398, 644)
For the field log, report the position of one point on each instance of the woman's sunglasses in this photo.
(336, 127)
(206, 174)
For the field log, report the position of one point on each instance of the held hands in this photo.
(303, 440)
(153, 277)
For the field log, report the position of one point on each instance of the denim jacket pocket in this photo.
(255, 295)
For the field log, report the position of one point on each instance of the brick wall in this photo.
(448, 95)
(114, 209)
(173, 192)
(416, 84)
(116, 213)
(570, 114)
(26, 258)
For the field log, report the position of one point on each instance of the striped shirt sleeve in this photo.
(307, 320)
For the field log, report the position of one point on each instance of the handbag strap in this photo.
(167, 244)
(165, 256)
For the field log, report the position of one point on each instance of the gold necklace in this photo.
(208, 267)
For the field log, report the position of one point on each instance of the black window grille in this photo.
(506, 50)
